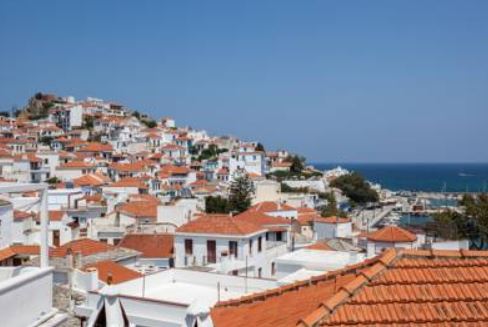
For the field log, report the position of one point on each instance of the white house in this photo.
(172, 298)
(175, 214)
(223, 243)
(332, 227)
(390, 237)
(251, 162)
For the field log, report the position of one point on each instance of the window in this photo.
(279, 236)
(273, 268)
(260, 272)
(250, 247)
(188, 247)
(260, 243)
(233, 248)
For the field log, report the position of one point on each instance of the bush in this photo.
(355, 187)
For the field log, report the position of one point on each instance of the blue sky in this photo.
(341, 81)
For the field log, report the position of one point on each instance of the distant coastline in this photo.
(425, 177)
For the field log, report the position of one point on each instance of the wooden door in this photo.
(211, 252)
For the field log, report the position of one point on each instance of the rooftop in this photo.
(397, 288)
(219, 224)
(118, 272)
(392, 234)
(150, 245)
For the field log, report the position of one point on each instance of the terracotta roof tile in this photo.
(270, 206)
(97, 147)
(139, 209)
(219, 224)
(129, 182)
(13, 250)
(85, 246)
(332, 220)
(392, 234)
(261, 219)
(150, 245)
(397, 288)
(118, 272)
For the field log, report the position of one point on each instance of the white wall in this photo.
(326, 230)
(256, 259)
(26, 298)
(6, 225)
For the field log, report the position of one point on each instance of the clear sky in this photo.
(355, 81)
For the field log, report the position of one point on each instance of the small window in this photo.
(188, 247)
(233, 248)
(250, 247)
(260, 272)
(273, 268)
(260, 243)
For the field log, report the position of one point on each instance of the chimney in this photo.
(109, 279)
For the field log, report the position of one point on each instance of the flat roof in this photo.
(319, 259)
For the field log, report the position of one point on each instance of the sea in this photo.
(426, 177)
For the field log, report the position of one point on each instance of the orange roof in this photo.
(412, 288)
(77, 164)
(270, 206)
(13, 250)
(319, 245)
(144, 198)
(150, 245)
(129, 182)
(261, 219)
(219, 224)
(85, 246)
(119, 273)
(332, 220)
(174, 170)
(398, 288)
(19, 215)
(137, 166)
(91, 180)
(392, 234)
(96, 147)
(307, 215)
(139, 209)
(283, 306)
(31, 157)
(56, 215)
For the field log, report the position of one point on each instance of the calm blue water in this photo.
(422, 177)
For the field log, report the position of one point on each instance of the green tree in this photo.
(136, 114)
(450, 225)
(241, 191)
(53, 180)
(216, 204)
(297, 163)
(476, 211)
(150, 123)
(46, 140)
(88, 122)
(330, 208)
(285, 188)
(356, 188)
